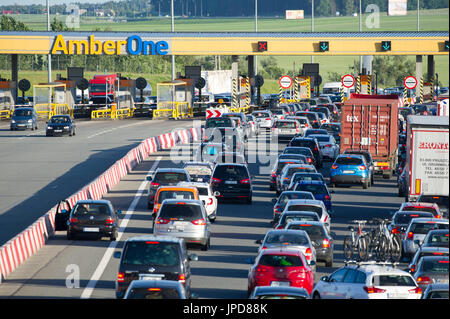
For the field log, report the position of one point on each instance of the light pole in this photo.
(360, 30)
(418, 19)
(49, 56)
(256, 30)
(173, 30)
(312, 24)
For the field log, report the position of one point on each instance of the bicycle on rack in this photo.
(356, 242)
(382, 243)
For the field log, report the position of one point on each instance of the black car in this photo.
(401, 219)
(153, 258)
(306, 151)
(333, 129)
(313, 145)
(312, 117)
(60, 125)
(165, 177)
(93, 217)
(232, 181)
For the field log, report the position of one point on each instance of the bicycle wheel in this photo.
(348, 247)
(396, 249)
(362, 248)
(383, 249)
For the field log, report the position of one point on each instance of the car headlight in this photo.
(66, 127)
(30, 121)
(13, 122)
(49, 128)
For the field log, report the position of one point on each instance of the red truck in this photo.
(370, 122)
(102, 89)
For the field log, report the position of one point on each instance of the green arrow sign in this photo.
(386, 45)
(323, 46)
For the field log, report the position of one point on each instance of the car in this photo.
(281, 201)
(436, 238)
(441, 200)
(280, 267)
(305, 151)
(228, 136)
(277, 168)
(232, 181)
(436, 291)
(230, 157)
(278, 113)
(153, 257)
(207, 152)
(319, 190)
(332, 108)
(254, 125)
(425, 251)
(155, 289)
(312, 117)
(313, 145)
(401, 219)
(310, 205)
(431, 269)
(333, 129)
(313, 131)
(368, 159)
(215, 122)
(350, 169)
(322, 118)
(285, 129)
(421, 207)
(24, 118)
(290, 239)
(303, 121)
(417, 231)
(321, 240)
(60, 125)
(185, 219)
(274, 292)
(302, 158)
(199, 171)
(164, 177)
(241, 123)
(93, 218)
(264, 119)
(324, 110)
(207, 196)
(301, 176)
(328, 145)
(293, 215)
(284, 178)
(367, 281)
(173, 192)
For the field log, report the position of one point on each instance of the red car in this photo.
(281, 267)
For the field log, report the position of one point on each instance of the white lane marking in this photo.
(87, 292)
(113, 129)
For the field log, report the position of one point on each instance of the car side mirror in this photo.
(216, 193)
(64, 211)
(117, 254)
(148, 178)
(193, 257)
(324, 278)
(259, 241)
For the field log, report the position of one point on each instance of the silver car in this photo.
(430, 270)
(186, 219)
(264, 119)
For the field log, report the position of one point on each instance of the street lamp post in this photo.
(360, 30)
(312, 24)
(173, 30)
(49, 56)
(256, 30)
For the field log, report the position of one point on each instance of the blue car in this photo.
(319, 190)
(24, 118)
(350, 169)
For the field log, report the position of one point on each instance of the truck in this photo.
(102, 89)
(427, 156)
(370, 122)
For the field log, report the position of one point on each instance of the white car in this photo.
(207, 196)
(264, 119)
(310, 205)
(286, 129)
(254, 125)
(303, 121)
(367, 281)
(328, 146)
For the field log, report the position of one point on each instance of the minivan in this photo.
(232, 181)
(24, 118)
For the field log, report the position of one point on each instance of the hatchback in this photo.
(284, 178)
(282, 200)
(436, 238)
(292, 216)
(310, 205)
(60, 125)
(24, 118)
(312, 117)
(421, 207)
(350, 169)
(436, 291)
(280, 267)
(401, 220)
(301, 176)
(173, 192)
(328, 146)
(313, 131)
(232, 181)
(320, 239)
(426, 251)
(185, 219)
(93, 217)
(164, 177)
(319, 190)
(303, 121)
(305, 151)
(155, 289)
(368, 158)
(264, 119)
(276, 170)
(278, 113)
(153, 258)
(430, 270)
(333, 129)
(207, 196)
(285, 129)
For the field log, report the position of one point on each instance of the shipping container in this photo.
(370, 122)
(427, 156)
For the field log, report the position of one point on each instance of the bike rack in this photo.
(370, 262)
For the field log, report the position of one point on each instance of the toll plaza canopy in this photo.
(226, 43)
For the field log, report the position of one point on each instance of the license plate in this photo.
(396, 296)
(150, 277)
(58, 131)
(443, 281)
(348, 172)
(91, 229)
(231, 182)
(280, 283)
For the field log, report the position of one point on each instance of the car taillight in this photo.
(261, 269)
(109, 220)
(416, 290)
(120, 277)
(263, 247)
(373, 290)
(328, 145)
(306, 125)
(334, 166)
(245, 181)
(182, 278)
(279, 227)
(276, 208)
(154, 185)
(162, 221)
(325, 243)
(73, 220)
(410, 235)
(413, 268)
(316, 149)
(215, 180)
(199, 222)
(308, 254)
(309, 160)
(424, 280)
(362, 168)
(327, 197)
(396, 230)
(267, 119)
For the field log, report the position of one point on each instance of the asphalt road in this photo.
(86, 268)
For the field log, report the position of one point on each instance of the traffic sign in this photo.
(410, 82)
(285, 81)
(386, 46)
(348, 81)
(213, 113)
(324, 46)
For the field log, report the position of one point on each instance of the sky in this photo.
(44, 2)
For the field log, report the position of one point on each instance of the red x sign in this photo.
(262, 46)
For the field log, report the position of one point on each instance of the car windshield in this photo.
(175, 195)
(313, 188)
(154, 293)
(180, 211)
(306, 208)
(59, 119)
(349, 161)
(151, 253)
(433, 265)
(402, 218)
(280, 261)
(22, 112)
(91, 209)
(424, 228)
(285, 124)
(393, 280)
(419, 209)
(298, 217)
(441, 201)
(285, 239)
(311, 230)
(231, 172)
(170, 177)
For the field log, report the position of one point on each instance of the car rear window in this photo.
(151, 253)
(302, 143)
(233, 172)
(393, 280)
(311, 230)
(279, 112)
(298, 217)
(170, 177)
(306, 177)
(290, 196)
(441, 201)
(306, 208)
(419, 209)
(299, 157)
(297, 169)
(322, 138)
(293, 239)
(175, 195)
(91, 209)
(261, 115)
(434, 265)
(283, 124)
(202, 191)
(438, 240)
(406, 218)
(154, 293)
(349, 161)
(280, 261)
(301, 151)
(313, 188)
(441, 294)
(181, 211)
(424, 228)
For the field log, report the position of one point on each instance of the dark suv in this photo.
(232, 181)
(313, 146)
(153, 258)
(165, 177)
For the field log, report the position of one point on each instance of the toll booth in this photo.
(175, 99)
(70, 91)
(7, 101)
(125, 94)
(50, 99)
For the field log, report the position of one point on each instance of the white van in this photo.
(332, 88)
